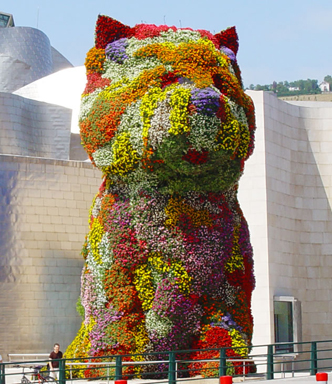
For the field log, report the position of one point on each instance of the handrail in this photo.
(311, 357)
(36, 355)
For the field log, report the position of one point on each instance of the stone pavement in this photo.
(253, 380)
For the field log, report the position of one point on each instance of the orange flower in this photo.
(95, 60)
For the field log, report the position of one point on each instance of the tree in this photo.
(262, 87)
(328, 79)
(299, 87)
(281, 88)
(274, 86)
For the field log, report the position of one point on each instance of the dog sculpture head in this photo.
(164, 108)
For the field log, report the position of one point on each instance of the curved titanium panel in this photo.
(25, 56)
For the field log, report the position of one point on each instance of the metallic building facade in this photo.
(44, 202)
(25, 56)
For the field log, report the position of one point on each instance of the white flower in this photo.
(96, 207)
(131, 122)
(177, 37)
(156, 325)
(203, 131)
(140, 179)
(159, 123)
(105, 251)
(98, 274)
(86, 104)
(238, 113)
(103, 157)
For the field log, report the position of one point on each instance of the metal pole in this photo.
(171, 368)
(222, 362)
(62, 373)
(270, 368)
(118, 367)
(2, 374)
(313, 358)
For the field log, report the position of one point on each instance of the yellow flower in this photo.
(144, 286)
(179, 113)
(238, 343)
(235, 261)
(125, 158)
(177, 207)
(95, 235)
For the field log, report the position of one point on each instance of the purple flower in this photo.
(205, 100)
(116, 51)
(228, 52)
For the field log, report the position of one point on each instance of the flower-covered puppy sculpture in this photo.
(168, 261)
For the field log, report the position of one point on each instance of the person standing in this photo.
(53, 364)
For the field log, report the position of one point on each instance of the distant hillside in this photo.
(308, 89)
(319, 97)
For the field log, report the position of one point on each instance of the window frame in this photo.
(296, 323)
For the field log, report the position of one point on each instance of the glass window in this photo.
(4, 20)
(287, 324)
(283, 325)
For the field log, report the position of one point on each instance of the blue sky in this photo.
(279, 39)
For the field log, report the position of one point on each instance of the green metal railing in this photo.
(174, 366)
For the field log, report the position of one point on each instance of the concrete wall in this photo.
(33, 128)
(293, 185)
(44, 208)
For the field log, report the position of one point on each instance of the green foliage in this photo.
(80, 308)
(230, 370)
(328, 79)
(177, 176)
(298, 87)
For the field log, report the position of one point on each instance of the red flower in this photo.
(167, 79)
(228, 38)
(108, 30)
(95, 81)
(221, 113)
(209, 35)
(195, 157)
(142, 31)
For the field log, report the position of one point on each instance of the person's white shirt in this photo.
(0, 359)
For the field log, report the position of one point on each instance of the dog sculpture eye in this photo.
(168, 261)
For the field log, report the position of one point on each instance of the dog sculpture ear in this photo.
(228, 38)
(108, 30)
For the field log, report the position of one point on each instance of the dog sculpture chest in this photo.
(168, 260)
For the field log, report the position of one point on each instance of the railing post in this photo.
(62, 371)
(171, 368)
(222, 362)
(2, 374)
(118, 367)
(270, 367)
(313, 358)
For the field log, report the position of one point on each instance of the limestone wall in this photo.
(290, 177)
(253, 202)
(43, 222)
(299, 147)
